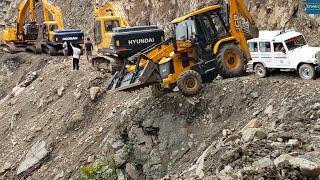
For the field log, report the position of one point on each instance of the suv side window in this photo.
(253, 47)
(278, 47)
(265, 46)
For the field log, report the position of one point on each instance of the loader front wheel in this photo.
(189, 83)
(230, 61)
(159, 90)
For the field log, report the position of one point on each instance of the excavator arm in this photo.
(238, 10)
(114, 8)
(22, 11)
(52, 12)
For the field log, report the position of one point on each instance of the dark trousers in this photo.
(75, 64)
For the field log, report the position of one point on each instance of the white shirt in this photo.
(76, 52)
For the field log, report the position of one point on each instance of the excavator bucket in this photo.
(141, 78)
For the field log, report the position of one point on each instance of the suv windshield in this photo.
(295, 42)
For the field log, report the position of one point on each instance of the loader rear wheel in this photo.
(230, 61)
(189, 83)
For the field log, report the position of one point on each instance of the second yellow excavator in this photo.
(115, 40)
(25, 35)
(205, 43)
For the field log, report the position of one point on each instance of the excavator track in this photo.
(109, 64)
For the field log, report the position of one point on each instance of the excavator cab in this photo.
(48, 30)
(31, 31)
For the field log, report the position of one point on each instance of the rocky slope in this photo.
(60, 124)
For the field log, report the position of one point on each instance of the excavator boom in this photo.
(114, 8)
(52, 12)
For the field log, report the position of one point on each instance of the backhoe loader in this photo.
(115, 40)
(25, 36)
(206, 42)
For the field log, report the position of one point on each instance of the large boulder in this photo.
(308, 164)
(34, 156)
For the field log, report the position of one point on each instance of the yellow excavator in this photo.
(115, 40)
(206, 42)
(25, 36)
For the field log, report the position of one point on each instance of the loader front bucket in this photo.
(135, 80)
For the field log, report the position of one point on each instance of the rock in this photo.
(293, 143)
(94, 91)
(262, 163)
(200, 162)
(77, 93)
(140, 137)
(90, 159)
(116, 143)
(30, 77)
(59, 176)
(316, 127)
(132, 171)
(254, 123)
(120, 157)
(285, 136)
(120, 175)
(255, 94)
(251, 133)
(37, 153)
(316, 106)
(226, 170)
(269, 111)
(5, 167)
(231, 138)
(226, 132)
(307, 167)
(60, 91)
(225, 177)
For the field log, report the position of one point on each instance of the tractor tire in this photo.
(230, 61)
(158, 90)
(260, 70)
(190, 83)
(307, 72)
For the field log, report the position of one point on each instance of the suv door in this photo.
(266, 55)
(280, 55)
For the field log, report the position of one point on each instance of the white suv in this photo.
(283, 50)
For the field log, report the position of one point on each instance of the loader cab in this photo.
(200, 31)
(49, 27)
(103, 30)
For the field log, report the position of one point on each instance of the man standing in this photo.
(89, 48)
(65, 48)
(76, 56)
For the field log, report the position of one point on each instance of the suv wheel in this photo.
(307, 72)
(260, 70)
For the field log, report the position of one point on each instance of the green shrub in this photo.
(98, 171)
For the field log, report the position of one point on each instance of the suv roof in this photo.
(277, 36)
